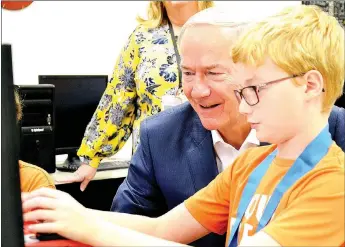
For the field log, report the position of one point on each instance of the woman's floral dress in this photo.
(145, 71)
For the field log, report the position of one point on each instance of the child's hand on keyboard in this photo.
(55, 211)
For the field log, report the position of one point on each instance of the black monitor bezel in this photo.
(71, 149)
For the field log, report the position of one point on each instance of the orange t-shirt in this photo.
(33, 177)
(311, 212)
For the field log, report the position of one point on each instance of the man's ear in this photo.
(314, 85)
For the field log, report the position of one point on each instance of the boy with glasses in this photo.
(287, 194)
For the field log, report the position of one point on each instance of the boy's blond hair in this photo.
(298, 39)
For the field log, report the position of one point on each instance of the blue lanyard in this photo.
(311, 156)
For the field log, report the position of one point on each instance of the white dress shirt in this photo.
(225, 153)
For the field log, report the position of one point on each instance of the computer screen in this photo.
(11, 208)
(76, 99)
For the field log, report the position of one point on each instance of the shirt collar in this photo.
(251, 138)
(216, 137)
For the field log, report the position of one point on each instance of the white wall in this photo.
(85, 37)
(67, 37)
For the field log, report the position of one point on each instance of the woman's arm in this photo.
(112, 122)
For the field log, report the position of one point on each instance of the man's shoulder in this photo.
(337, 125)
(177, 117)
(173, 127)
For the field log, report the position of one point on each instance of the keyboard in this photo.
(112, 165)
(104, 166)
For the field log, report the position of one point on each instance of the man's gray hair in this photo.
(216, 16)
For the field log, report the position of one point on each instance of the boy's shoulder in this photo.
(334, 159)
(33, 177)
(30, 168)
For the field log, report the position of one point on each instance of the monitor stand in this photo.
(72, 161)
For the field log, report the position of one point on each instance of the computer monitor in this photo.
(76, 99)
(11, 208)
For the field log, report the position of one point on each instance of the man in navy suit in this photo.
(184, 148)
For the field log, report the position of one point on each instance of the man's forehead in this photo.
(206, 57)
(224, 65)
(203, 48)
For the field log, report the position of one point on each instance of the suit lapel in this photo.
(200, 155)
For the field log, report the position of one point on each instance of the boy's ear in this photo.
(314, 85)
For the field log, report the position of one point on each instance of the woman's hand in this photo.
(58, 212)
(84, 174)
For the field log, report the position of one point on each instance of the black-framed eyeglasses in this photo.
(250, 93)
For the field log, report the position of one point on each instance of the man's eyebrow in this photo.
(214, 66)
(185, 67)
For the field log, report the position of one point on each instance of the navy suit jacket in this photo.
(175, 159)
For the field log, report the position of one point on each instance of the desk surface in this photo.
(110, 174)
(100, 175)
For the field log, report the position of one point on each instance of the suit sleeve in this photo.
(139, 192)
